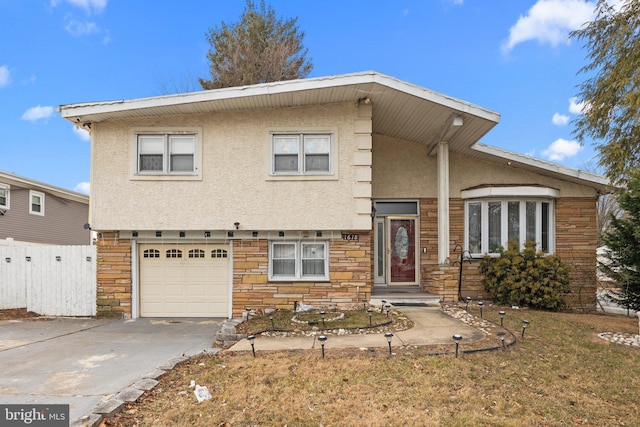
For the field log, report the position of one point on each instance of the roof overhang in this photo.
(19, 181)
(400, 109)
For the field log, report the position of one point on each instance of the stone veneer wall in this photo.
(349, 277)
(113, 276)
(575, 244)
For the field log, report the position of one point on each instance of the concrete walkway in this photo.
(431, 327)
(86, 362)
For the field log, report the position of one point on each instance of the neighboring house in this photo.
(35, 212)
(320, 191)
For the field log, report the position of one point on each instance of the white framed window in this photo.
(298, 260)
(490, 224)
(4, 196)
(166, 154)
(36, 203)
(301, 154)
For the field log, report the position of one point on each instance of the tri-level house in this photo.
(33, 212)
(322, 191)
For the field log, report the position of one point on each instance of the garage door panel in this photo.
(184, 287)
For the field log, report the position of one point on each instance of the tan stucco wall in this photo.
(404, 169)
(235, 184)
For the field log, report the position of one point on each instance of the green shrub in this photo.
(526, 278)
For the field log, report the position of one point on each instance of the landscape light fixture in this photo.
(382, 306)
(251, 339)
(322, 339)
(501, 334)
(389, 336)
(457, 338)
(322, 314)
(273, 326)
(388, 308)
(480, 304)
(525, 323)
(370, 311)
(468, 301)
(502, 314)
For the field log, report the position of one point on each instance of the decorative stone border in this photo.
(632, 340)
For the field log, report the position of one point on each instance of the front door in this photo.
(395, 251)
(402, 251)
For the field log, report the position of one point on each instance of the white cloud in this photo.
(34, 114)
(82, 187)
(560, 119)
(561, 149)
(77, 28)
(577, 107)
(550, 21)
(5, 76)
(90, 6)
(83, 134)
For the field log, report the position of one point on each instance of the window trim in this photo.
(504, 220)
(298, 276)
(7, 189)
(301, 172)
(38, 194)
(166, 174)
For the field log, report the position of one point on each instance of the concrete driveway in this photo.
(83, 362)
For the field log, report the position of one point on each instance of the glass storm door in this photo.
(401, 238)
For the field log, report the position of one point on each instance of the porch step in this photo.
(403, 296)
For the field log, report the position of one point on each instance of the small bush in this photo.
(526, 278)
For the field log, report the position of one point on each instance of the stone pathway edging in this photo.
(147, 382)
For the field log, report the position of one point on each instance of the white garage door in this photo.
(184, 280)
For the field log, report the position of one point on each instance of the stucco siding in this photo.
(234, 184)
(403, 169)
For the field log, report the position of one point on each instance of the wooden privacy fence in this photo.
(49, 280)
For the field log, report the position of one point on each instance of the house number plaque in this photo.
(353, 237)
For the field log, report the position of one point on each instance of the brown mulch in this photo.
(18, 314)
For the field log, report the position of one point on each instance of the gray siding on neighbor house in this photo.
(62, 223)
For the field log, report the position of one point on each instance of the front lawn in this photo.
(561, 373)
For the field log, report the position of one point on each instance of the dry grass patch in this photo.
(559, 374)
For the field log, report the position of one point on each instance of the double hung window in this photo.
(166, 154)
(491, 224)
(4, 196)
(301, 154)
(36, 203)
(298, 260)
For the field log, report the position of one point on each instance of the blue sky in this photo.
(513, 57)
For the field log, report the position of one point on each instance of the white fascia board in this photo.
(511, 156)
(72, 111)
(515, 191)
(37, 185)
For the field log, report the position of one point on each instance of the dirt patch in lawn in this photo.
(20, 314)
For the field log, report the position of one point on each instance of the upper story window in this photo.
(36, 203)
(4, 196)
(302, 154)
(491, 224)
(166, 154)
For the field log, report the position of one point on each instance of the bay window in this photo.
(491, 224)
(298, 260)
